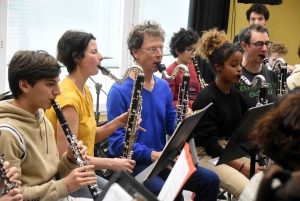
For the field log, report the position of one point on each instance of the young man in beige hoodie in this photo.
(33, 80)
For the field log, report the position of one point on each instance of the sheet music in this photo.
(180, 173)
(116, 192)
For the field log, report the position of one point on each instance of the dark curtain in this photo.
(204, 15)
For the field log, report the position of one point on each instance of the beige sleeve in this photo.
(65, 167)
(51, 190)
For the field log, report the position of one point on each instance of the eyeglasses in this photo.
(260, 44)
(191, 51)
(155, 50)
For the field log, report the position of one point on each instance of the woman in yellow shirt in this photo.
(78, 52)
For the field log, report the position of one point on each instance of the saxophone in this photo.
(8, 186)
(281, 82)
(201, 80)
(262, 92)
(72, 141)
(183, 100)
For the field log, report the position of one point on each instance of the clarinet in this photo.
(72, 141)
(183, 100)
(133, 118)
(262, 92)
(201, 80)
(8, 186)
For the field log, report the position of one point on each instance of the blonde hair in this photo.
(278, 48)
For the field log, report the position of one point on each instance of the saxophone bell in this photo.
(266, 63)
(262, 92)
(106, 71)
(183, 100)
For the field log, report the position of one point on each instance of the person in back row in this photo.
(255, 43)
(256, 14)
(183, 48)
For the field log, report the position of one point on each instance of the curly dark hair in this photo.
(30, 66)
(135, 38)
(278, 132)
(259, 9)
(182, 39)
(214, 47)
(71, 46)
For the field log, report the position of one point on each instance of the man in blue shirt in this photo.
(145, 42)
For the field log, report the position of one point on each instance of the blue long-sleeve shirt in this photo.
(158, 118)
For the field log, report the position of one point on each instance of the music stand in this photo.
(238, 145)
(174, 146)
(130, 185)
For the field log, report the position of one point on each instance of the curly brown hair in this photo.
(278, 132)
(211, 41)
(135, 38)
(278, 48)
(215, 48)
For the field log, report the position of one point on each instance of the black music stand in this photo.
(238, 145)
(130, 185)
(174, 146)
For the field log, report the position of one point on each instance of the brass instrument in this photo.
(262, 92)
(8, 186)
(106, 71)
(183, 100)
(72, 141)
(201, 80)
(281, 82)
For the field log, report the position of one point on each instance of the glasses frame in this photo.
(154, 50)
(256, 44)
(191, 51)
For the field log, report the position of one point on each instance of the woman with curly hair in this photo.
(277, 133)
(183, 48)
(229, 105)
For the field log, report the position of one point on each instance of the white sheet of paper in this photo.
(214, 161)
(176, 178)
(116, 192)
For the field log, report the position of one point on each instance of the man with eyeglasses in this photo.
(183, 48)
(145, 42)
(255, 43)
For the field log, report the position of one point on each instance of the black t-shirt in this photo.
(251, 93)
(220, 119)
